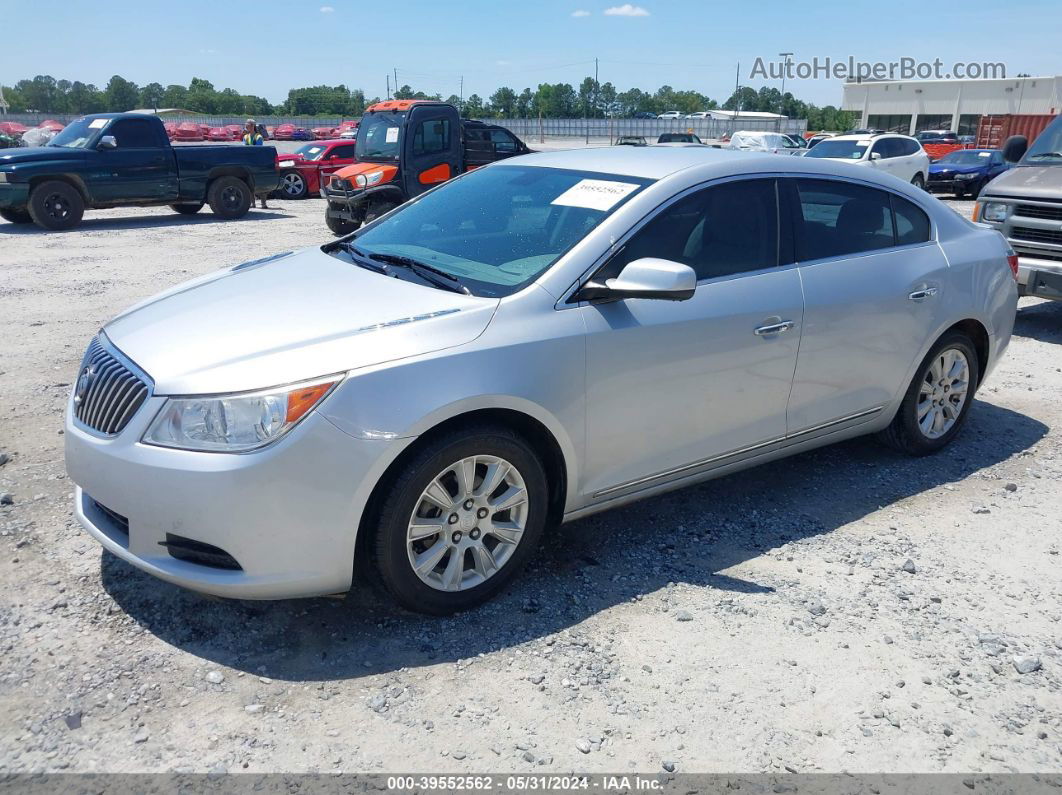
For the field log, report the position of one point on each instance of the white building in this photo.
(908, 106)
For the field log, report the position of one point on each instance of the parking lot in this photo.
(845, 609)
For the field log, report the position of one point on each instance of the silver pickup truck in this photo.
(1025, 204)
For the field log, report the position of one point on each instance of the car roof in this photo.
(868, 136)
(660, 161)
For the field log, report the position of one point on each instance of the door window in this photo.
(503, 142)
(912, 224)
(342, 152)
(432, 136)
(719, 231)
(134, 134)
(840, 218)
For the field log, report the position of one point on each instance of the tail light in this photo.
(1012, 260)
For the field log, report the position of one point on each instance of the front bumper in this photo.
(288, 514)
(345, 204)
(1040, 278)
(14, 195)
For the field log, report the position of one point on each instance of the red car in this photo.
(230, 132)
(346, 129)
(289, 132)
(171, 129)
(12, 128)
(303, 173)
(189, 131)
(52, 124)
(323, 133)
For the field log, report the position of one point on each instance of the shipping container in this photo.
(993, 131)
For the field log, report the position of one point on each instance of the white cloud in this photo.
(626, 10)
(327, 9)
(580, 13)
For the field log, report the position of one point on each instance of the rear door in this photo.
(873, 281)
(432, 149)
(141, 168)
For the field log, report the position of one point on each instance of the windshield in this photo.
(311, 151)
(498, 228)
(967, 158)
(380, 136)
(78, 133)
(1047, 148)
(847, 150)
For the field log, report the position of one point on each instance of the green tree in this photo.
(151, 95)
(40, 93)
(503, 102)
(474, 108)
(84, 98)
(524, 103)
(121, 94)
(174, 97)
(202, 97)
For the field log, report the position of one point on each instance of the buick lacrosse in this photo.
(526, 344)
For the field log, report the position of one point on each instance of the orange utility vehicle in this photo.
(405, 147)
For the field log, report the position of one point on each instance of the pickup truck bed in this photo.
(125, 159)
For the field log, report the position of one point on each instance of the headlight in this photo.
(972, 175)
(287, 163)
(234, 423)
(365, 180)
(994, 211)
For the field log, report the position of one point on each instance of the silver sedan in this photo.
(527, 344)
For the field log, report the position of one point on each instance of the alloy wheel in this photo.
(294, 184)
(56, 207)
(943, 393)
(467, 523)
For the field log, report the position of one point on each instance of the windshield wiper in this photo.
(361, 259)
(1045, 154)
(428, 273)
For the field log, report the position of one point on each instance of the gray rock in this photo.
(538, 679)
(1026, 664)
(141, 736)
(1011, 487)
(583, 745)
(215, 677)
(909, 566)
(6, 499)
(668, 765)
(253, 709)
(458, 754)
(683, 615)
(73, 720)
(816, 608)
(4, 458)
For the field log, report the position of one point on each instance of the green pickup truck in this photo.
(125, 159)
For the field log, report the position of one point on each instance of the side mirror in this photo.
(107, 142)
(648, 277)
(1015, 147)
(875, 155)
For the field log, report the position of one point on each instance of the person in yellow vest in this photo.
(251, 137)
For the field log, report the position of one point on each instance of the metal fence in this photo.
(528, 129)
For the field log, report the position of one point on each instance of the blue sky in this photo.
(266, 46)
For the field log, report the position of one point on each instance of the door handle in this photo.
(921, 295)
(774, 328)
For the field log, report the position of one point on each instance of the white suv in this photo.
(899, 155)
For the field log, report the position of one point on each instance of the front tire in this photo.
(56, 206)
(16, 216)
(339, 226)
(938, 400)
(919, 181)
(229, 198)
(460, 520)
(186, 209)
(293, 185)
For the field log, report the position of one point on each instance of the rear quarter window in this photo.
(912, 223)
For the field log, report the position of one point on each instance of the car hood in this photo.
(954, 168)
(287, 319)
(30, 153)
(1028, 182)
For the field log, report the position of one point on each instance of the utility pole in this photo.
(785, 68)
(462, 90)
(389, 86)
(737, 98)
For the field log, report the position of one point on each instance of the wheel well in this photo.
(979, 335)
(231, 171)
(69, 180)
(533, 432)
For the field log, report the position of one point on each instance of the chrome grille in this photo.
(1036, 235)
(107, 393)
(1039, 211)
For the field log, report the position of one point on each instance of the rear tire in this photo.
(467, 563)
(919, 181)
(186, 209)
(229, 198)
(913, 430)
(56, 206)
(16, 216)
(340, 226)
(292, 185)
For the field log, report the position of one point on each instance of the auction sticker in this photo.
(392, 135)
(95, 124)
(595, 194)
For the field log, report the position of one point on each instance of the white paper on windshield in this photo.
(95, 124)
(392, 135)
(594, 194)
(984, 154)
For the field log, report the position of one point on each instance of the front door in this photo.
(141, 168)
(874, 286)
(432, 148)
(676, 386)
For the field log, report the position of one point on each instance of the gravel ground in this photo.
(846, 609)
